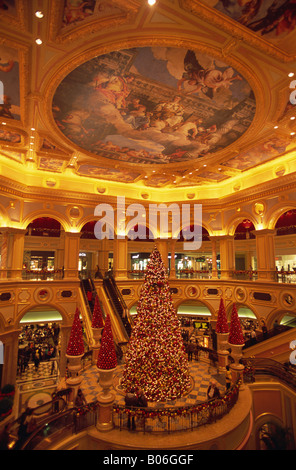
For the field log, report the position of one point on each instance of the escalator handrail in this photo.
(269, 334)
(122, 301)
(109, 296)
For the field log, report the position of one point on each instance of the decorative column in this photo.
(10, 341)
(17, 252)
(265, 254)
(103, 258)
(97, 326)
(120, 258)
(236, 342)
(71, 255)
(173, 268)
(227, 256)
(107, 363)
(4, 248)
(162, 246)
(214, 257)
(74, 353)
(222, 332)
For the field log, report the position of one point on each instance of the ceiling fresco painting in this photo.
(114, 174)
(259, 153)
(271, 19)
(187, 93)
(9, 76)
(7, 6)
(153, 105)
(9, 136)
(76, 11)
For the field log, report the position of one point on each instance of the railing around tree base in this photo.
(168, 420)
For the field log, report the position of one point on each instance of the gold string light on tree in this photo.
(155, 359)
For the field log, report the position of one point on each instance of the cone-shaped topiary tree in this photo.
(235, 332)
(76, 345)
(97, 318)
(107, 355)
(222, 324)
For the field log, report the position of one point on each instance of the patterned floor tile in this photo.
(201, 373)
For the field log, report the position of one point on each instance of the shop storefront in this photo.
(38, 260)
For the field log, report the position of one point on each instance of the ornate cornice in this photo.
(236, 30)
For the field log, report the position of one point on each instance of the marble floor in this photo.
(201, 373)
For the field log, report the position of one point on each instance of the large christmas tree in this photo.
(155, 359)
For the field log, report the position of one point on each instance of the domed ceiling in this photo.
(153, 105)
(184, 94)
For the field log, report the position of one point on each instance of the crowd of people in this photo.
(37, 343)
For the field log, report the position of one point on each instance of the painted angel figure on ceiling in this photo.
(205, 80)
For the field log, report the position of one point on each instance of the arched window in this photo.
(286, 223)
(44, 227)
(244, 230)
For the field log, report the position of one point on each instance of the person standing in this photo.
(213, 391)
(228, 378)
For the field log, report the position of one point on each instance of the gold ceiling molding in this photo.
(24, 76)
(234, 28)
(260, 192)
(20, 20)
(80, 56)
(92, 24)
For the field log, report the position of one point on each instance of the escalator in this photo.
(274, 344)
(88, 293)
(118, 303)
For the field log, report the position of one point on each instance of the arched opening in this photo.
(88, 231)
(273, 436)
(43, 260)
(248, 320)
(195, 316)
(38, 345)
(285, 254)
(88, 257)
(140, 245)
(197, 264)
(44, 227)
(286, 223)
(245, 248)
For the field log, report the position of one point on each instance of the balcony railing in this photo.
(147, 420)
(284, 277)
(167, 420)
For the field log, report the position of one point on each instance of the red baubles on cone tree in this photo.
(97, 318)
(76, 344)
(235, 332)
(107, 355)
(155, 360)
(222, 324)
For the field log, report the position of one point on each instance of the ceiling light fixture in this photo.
(38, 41)
(292, 118)
(39, 14)
(292, 133)
(291, 74)
(151, 2)
(275, 127)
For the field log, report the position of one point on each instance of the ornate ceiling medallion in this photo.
(153, 105)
